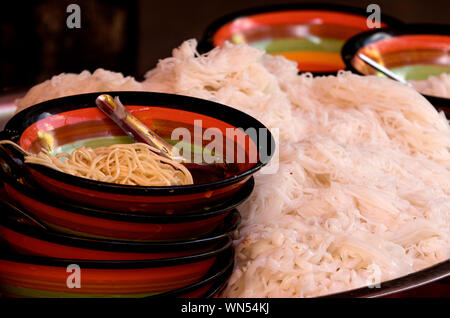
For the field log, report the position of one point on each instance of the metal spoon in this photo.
(134, 128)
(382, 69)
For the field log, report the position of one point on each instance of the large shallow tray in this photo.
(432, 281)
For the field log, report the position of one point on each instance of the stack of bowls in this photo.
(121, 240)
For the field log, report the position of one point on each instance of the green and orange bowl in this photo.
(310, 34)
(413, 51)
(75, 219)
(64, 124)
(35, 276)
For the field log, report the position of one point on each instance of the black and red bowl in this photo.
(413, 51)
(34, 276)
(311, 34)
(66, 123)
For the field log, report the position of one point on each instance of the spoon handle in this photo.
(133, 127)
(382, 69)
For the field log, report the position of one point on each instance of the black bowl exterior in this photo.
(33, 192)
(12, 222)
(52, 278)
(214, 281)
(103, 224)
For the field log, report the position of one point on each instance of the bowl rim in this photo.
(361, 40)
(223, 231)
(115, 264)
(206, 43)
(238, 119)
(131, 217)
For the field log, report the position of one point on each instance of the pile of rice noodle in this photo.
(363, 188)
(435, 85)
(71, 84)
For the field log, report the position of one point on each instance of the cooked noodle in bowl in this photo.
(130, 164)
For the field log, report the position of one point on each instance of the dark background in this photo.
(131, 36)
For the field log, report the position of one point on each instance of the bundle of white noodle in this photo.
(434, 85)
(66, 84)
(363, 188)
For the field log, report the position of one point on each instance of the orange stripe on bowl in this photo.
(54, 278)
(33, 246)
(142, 112)
(291, 16)
(409, 43)
(315, 61)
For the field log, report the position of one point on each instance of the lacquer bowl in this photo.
(74, 219)
(414, 52)
(310, 34)
(66, 123)
(22, 235)
(32, 276)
